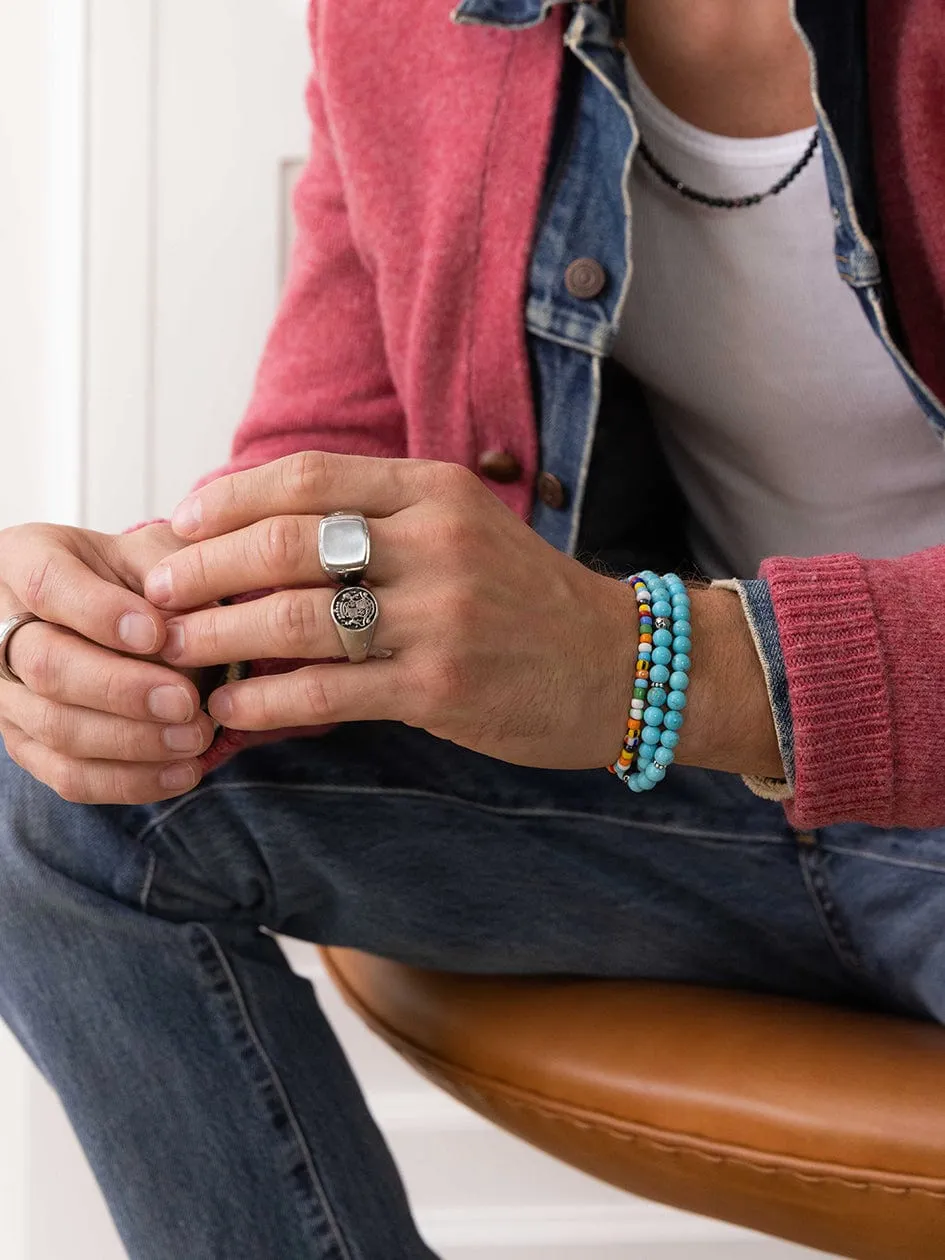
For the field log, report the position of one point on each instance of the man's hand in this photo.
(96, 720)
(498, 641)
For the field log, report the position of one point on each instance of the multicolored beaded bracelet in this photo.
(648, 750)
(641, 680)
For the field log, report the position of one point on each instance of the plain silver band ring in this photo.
(354, 611)
(8, 629)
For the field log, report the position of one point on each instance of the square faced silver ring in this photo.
(344, 546)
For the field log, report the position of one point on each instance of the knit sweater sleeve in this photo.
(864, 653)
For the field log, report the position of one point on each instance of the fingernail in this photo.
(159, 586)
(170, 704)
(188, 516)
(182, 739)
(174, 643)
(220, 706)
(178, 778)
(138, 632)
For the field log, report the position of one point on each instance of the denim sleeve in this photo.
(759, 612)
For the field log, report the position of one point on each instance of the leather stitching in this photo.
(503, 1095)
(683, 1153)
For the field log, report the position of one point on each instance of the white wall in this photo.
(22, 185)
(24, 88)
(145, 154)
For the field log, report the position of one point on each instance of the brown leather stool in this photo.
(814, 1124)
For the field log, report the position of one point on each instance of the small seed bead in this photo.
(638, 701)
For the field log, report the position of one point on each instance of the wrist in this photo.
(729, 723)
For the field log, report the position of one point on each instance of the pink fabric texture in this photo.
(907, 50)
(401, 333)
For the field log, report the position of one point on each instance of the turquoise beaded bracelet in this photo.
(669, 605)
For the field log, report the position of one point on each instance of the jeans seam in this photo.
(341, 1247)
(147, 882)
(833, 928)
(642, 823)
(932, 868)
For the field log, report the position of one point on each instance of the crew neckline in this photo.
(685, 137)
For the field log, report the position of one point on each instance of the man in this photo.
(626, 228)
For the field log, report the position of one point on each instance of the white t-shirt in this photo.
(785, 421)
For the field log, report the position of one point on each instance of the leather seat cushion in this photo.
(816, 1124)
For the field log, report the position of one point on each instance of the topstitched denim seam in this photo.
(869, 855)
(833, 929)
(642, 823)
(147, 882)
(307, 1156)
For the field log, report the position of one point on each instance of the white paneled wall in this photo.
(147, 154)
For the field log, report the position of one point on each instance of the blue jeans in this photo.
(206, 1087)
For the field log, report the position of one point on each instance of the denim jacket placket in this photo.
(586, 213)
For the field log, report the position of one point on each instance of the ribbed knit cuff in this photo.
(836, 675)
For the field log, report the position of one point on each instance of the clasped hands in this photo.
(497, 641)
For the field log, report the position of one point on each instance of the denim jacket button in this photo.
(499, 466)
(551, 491)
(585, 278)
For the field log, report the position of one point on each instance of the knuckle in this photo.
(202, 636)
(15, 743)
(445, 680)
(294, 620)
(317, 702)
(68, 781)
(228, 488)
(303, 476)
(41, 666)
(455, 481)
(53, 729)
(39, 585)
(128, 742)
(119, 789)
(452, 534)
(193, 572)
(114, 692)
(284, 543)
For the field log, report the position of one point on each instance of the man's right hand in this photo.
(95, 719)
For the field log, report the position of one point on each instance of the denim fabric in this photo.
(138, 969)
(586, 212)
(756, 600)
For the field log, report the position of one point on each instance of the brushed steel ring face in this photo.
(344, 545)
(354, 611)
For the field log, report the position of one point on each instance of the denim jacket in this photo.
(587, 406)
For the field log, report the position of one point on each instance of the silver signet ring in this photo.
(354, 611)
(344, 546)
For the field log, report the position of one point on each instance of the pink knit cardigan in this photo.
(401, 333)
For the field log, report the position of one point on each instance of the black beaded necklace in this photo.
(727, 203)
(684, 190)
